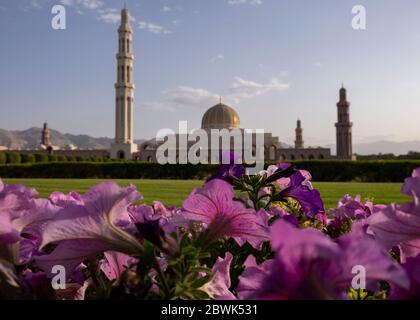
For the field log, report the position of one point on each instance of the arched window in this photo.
(302, 156)
(149, 159)
(321, 157)
(121, 155)
(311, 157)
(128, 73)
(128, 45)
(293, 157)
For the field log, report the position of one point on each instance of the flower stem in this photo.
(163, 280)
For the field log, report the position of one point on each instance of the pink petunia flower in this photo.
(214, 206)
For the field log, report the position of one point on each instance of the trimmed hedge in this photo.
(13, 157)
(41, 157)
(360, 171)
(28, 158)
(106, 170)
(52, 158)
(61, 158)
(363, 171)
(3, 158)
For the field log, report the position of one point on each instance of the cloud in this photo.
(239, 2)
(37, 3)
(192, 97)
(185, 96)
(153, 28)
(77, 4)
(217, 57)
(109, 15)
(244, 89)
(105, 14)
(87, 4)
(166, 9)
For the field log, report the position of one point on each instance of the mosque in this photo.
(220, 116)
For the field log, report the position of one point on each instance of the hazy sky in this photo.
(273, 60)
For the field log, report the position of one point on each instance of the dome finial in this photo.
(220, 99)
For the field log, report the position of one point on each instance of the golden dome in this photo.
(220, 116)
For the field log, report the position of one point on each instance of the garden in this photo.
(233, 237)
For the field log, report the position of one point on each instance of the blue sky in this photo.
(273, 60)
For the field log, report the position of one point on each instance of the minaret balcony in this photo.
(125, 55)
(344, 125)
(125, 28)
(123, 85)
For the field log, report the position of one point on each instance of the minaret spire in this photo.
(344, 127)
(46, 140)
(124, 146)
(299, 144)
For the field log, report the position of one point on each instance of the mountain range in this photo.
(31, 138)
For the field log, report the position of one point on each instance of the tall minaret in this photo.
(299, 136)
(46, 135)
(124, 146)
(343, 128)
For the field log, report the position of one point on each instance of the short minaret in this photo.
(343, 128)
(124, 145)
(46, 141)
(299, 136)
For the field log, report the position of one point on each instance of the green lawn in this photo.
(174, 191)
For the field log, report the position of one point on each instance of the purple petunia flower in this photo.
(308, 265)
(115, 263)
(154, 227)
(231, 168)
(22, 217)
(283, 214)
(352, 209)
(218, 286)
(83, 230)
(412, 268)
(296, 184)
(213, 205)
(400, 224)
